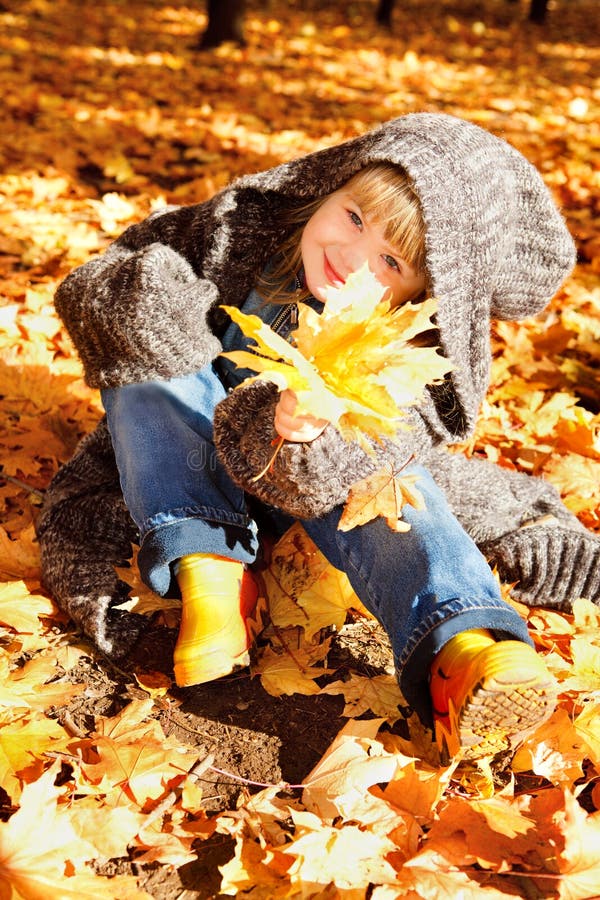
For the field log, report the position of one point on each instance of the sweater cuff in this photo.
(303, 480)
(552, 565)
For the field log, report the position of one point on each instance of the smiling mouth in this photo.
(332, 276)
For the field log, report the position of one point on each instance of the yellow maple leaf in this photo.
(417, 880)
(354, 364)
(491, 832)
(303, 588)
(379, 694)
(354, 762)
(20, 609)
(585, 668)
(256, 868)
(133, 722)
(574, 868)
(586, 618)
(348, 857)
(416, 786)
(28, 686)
(556, 751)
(22, 745)
(156, 684)
(578, 480)
(141, 599)
(383, 493)
(20, 559)
(587, 726)
(41, 851)
(111, 831)
(292, 671)
(143, 770)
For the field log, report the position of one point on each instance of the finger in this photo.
(300, 422)
(288, 401)
(297, 429)
(303, 435)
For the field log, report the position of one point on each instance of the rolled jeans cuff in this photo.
(165, 543)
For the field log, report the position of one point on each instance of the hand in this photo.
(301, 429)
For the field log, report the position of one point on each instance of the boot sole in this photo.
(497, 717)
(510, 698)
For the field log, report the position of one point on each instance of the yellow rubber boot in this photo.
(488, 695)
(217, 596)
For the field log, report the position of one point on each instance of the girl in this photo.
(430, 202)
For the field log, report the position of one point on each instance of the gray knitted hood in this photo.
(497, 247)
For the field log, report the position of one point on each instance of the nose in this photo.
(354, 256)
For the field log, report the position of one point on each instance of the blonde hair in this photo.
(385, 195)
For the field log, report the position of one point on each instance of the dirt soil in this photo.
(252, 735)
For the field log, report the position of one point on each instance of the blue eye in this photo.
(391, 262)
(355, 218)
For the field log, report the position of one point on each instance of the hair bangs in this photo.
(384, 194)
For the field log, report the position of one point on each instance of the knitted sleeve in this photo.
(305, 480)
(138, 312)
(521, 524)
(84, 530)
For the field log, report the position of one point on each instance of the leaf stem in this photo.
(22, 484)
(278, 444)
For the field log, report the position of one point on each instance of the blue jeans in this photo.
(424, 585)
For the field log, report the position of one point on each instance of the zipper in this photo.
(290, 310)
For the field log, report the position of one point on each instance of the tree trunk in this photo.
(537, 11)
(384, 12)
(225, 23)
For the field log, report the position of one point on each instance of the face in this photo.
(338, 239)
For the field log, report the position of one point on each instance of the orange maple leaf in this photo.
(383, 493)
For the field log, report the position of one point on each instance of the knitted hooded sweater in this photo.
(496, 247)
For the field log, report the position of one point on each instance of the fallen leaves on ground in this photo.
(108, 120)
